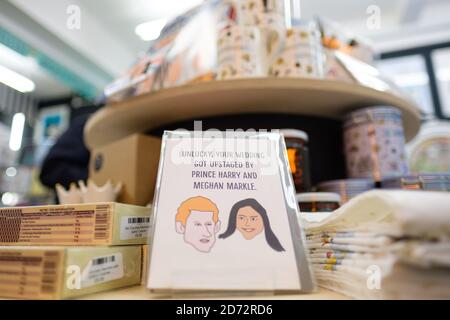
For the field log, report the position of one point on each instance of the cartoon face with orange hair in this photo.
(198, 220)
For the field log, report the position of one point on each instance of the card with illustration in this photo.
(225, 216)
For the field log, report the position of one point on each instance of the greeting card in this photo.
(225, 216)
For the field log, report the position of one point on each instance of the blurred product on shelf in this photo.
(435, 182)
(347, 188)
(133, 161)
(432, 155)
(428, 182)
(335, 37)
(334, 69)
(52, 273)
(90, 193)
(100, 224)
(301, 55)
(221, 40)
(267, 14)
(318, 201)
(401, 238)
(361, 73)
(140, 79)
(406, 183)
(192, 37)
(375, 143)
(298, 156)
(316, 206)
(429, 151)
(241, 52)
(351, 59)
(185, 52)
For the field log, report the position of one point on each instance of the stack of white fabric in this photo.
(385, 245)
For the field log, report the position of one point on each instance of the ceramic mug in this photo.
(240, 53)
(268, 16)
(302, 54)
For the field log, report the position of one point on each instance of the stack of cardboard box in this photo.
(65, 251)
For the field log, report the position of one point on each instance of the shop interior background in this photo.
(57, 56)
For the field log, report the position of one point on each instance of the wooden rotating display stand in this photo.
(299, 97)
(309, 97)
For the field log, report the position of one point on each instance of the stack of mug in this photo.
(260, 44)
(301, 55)
(375, 143)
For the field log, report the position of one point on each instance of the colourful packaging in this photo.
(66, 272)
(99, 224)
(375, 143)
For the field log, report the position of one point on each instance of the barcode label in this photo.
(132, 228)
(103, 260)
(138, 220)
(102, 269)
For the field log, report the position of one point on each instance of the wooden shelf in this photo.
(312, 97)
(141, 293)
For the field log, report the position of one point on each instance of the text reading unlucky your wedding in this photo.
(222, 154)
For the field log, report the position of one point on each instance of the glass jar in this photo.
(318, 202)
(298, 155)
(347, 188)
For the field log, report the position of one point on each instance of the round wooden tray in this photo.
(324, 98)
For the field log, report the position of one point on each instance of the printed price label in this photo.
(102, 269)
(134, 227)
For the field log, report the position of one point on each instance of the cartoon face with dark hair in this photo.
(250, 218)
(249, 222)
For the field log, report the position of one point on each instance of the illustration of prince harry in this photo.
(197, 219)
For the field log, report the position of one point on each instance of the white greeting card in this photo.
(225, 216)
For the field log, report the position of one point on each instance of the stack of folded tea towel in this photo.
(385, 245)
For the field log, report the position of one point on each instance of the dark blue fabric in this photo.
(68, 160)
